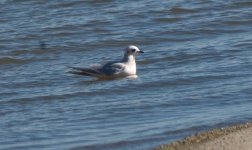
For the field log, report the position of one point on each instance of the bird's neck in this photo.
(129, 58)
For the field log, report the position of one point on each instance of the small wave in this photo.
(3, 1)
(20, 52)
(167, 20)
(131, 144)
(11, 60)
(67, 4)
(48, 97)
(42, 49)
(242, 4)
(238, 22)
(243, 45)
(216, 31)
(179, 10)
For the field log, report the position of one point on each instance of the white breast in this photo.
(130, 68)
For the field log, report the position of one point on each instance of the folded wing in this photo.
(85, 71)
(108, 70)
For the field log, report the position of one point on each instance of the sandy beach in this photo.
(238, 137)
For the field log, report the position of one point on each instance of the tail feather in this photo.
(79, 73)
(85, 71)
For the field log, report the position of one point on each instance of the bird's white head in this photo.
(132, 50)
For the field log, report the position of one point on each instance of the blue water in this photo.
(195, 73)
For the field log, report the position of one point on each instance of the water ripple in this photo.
(194, 75)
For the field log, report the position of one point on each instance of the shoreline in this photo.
(231, 138)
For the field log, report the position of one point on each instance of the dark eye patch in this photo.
(133, 50)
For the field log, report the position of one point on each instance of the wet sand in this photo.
(229, 138)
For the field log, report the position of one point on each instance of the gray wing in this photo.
(112, 68)
(85, 71)
(107, 70)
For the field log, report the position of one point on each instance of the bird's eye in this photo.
(133, 50)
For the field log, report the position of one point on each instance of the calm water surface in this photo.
(195, 73)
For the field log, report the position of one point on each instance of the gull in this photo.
(126, 67)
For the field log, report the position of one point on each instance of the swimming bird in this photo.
(126, 67)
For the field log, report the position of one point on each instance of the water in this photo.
(195, 73)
